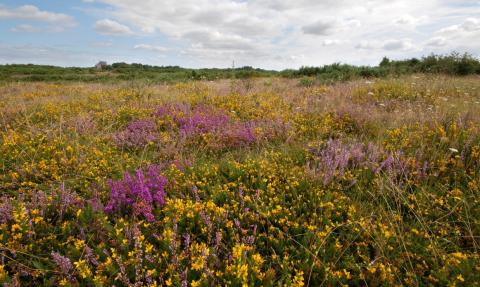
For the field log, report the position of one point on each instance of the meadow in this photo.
(262, 181)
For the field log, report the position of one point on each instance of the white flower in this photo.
(453, 149)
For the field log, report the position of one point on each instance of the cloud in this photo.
(389, 45)
(321, 28)
(397, 45)
(469, 25)
(25, 28)
(41, 55)
(326, 27)
(436, 42)
(110, 27)
(151, 48)
(102, 44)
(30, 12)
(216, 40)
(331, 42)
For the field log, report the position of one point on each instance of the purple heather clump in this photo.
(173, 111)
(202, 120)
(66, 199)
(6, 209)
(193, 121)
(238, 134)
(398, 169)
(138, 133)
(90, 256)
(336, 158)
(62, 262)
(138, 193)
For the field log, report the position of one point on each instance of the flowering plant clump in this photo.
(207, 122)
(138, 193)
(138, 133)
(335, 159)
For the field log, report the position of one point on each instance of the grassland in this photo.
(254, 182)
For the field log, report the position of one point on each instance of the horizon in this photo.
(241, 67)
(265, 34)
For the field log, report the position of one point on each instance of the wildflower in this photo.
(138, 133)
(3, 273)
(138, 193)
(83, 269)
(298, 280)
(62, 262)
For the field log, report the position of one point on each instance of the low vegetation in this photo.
(453, 64)
(254, 182)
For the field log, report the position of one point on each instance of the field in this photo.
(241, 182)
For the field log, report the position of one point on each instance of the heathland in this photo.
(353, 179)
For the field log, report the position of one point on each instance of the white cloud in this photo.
(436, 42)
(469, 25)
(404, 44)
(25, 28)
(259, 32)
(110, 27)
(331, 42)
(388, 45)
(321, 28)
(30, 12)
(151, 48)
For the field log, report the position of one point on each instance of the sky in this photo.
(271, 34)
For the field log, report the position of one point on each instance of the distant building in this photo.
(100, 65)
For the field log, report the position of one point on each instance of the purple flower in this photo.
(335, 158)
(202, 119)
(137, 134)
(238, 134)
(90, 256)
(62, 262)
(6, 209)
(137, 193)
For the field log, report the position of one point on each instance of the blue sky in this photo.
(211, 33)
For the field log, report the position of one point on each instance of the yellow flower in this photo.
(257, 258)
(197, 263)
(242, 272)
(79, 244)
(16, 227)
(3, 273)
(298, 280)
(82, 268)
(195, 283)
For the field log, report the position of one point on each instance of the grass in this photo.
(269, 181)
